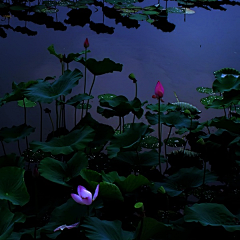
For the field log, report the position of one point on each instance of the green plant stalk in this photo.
(169, 133)
(3, 148)
(51, 122)
(94, 78)
(204, 172)
(120, 124)
(224, 111)
(159, 137)
(123, 123)
(135, 97)
(36, 208)
(85, 79)
(25, 112)
(75, 116)
(56, 116)
(41, 121)
(19, 147)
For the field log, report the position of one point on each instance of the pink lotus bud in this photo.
(86, 43)
(159, 90)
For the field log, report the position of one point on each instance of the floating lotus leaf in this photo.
(64, 3)
(205, 90)
(47, 92)
(49, 10)
(212, 214)
(84, 106)
(149, 12)
(132, 182)
(175, 142)
(12, 185)
(207, 101)
(50, 3)
(19, 7)
(227, 83)
(120, 2)
(186, 106)
(27, 103)
(75, 100)
(101, 67)
(138, 17)
(145, 159)
(129, 140)
(4, 5)
(188, 11)
(186, 178)
(149, 142)
(8, 219)
(105, 230)
(73, 141)
(15, 133)
(150, 20)
(60, 172)
(150, 227)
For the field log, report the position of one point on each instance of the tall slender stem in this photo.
(25, 112)
(3, 148)
(166, 146)
(75, 116)
(159, 137)
(56, 115)
(123, 123)
(135, 97)
(41, 121)
(90, 91)
(19, 148)
(85, 78)
(51, 123)
(120, 124)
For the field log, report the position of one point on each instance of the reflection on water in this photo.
(180, 50)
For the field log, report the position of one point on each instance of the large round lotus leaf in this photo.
(175, 142)
(132, 182)
(226, 83)
(95, 228)
(186, 106)
(175, 10)
(129, 140)
(90, 175)
(15, 133)
(186, 178)
(60, 172)
(145, 159)
(75, 100)
(110, 191)
(150, 227)
(207, 101)
(138, 17)
(73, 141)
(7, 221)
(149, 142)
(171, 189)
(205, 90)
(101, 67)
(106, 96)
(26, 103)
(178, 120)
(111, 177)
(12, 185)
(212, 214)
(47, 92)
(163, 107)
(225, 71)
(153, 118)
(225, 123)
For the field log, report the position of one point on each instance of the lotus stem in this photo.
(224, 111)
(19, 147)
(159, 137)
(75, 116)
(41, 121)
(120, 124)
(85, 79)
(135, 97)
(56, 115)
(25, 112)
(123, 123)
(169, 133)
(51, 122)
(36, 208)
(3, 148)
(204, 172)
(94, 78)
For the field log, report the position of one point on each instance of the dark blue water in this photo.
(182, 59)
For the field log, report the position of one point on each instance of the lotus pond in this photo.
(132, 168)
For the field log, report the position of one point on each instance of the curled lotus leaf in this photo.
(207, 101)
(225, 71)
(205, 90)
(226, 83)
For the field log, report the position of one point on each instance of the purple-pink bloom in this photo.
(159, 90)
(85, 197)
(65, 226)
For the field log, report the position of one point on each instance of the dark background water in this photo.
(182, 59)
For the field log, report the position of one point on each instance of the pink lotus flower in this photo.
(65, 226)
(85, 197)
(159, 91)
(86, 43)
